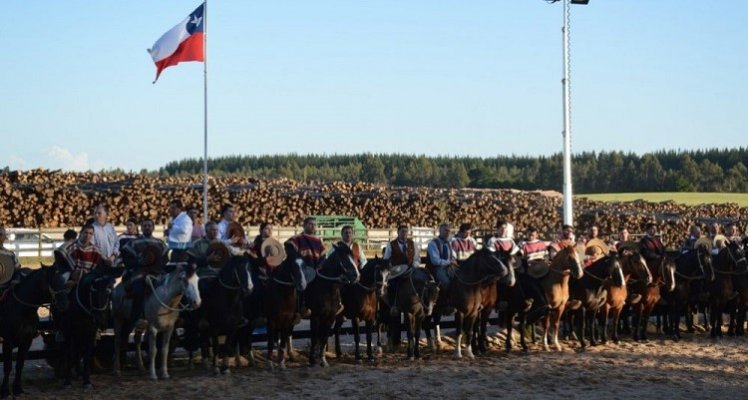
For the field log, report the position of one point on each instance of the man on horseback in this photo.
(143, 256)
(346, 233)
(311, 250)
(85, 255)
(503, 239)
(651, 246)
(401, 252)
(227, 217)
(565, 238)
(198, 254)
(463, 245)
(441, 257)
(9, 264)
(690, 243)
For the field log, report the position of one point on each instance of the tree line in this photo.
(712, 170)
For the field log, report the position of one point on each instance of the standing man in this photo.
(104, 236)
(346, 233)
(464, 245)
(227, 217)
(441, 256)
(180, 232)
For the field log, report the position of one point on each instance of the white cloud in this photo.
(15, 162)
(65, 159)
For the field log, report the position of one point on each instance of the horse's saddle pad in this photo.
(309, 274)
(538, 269)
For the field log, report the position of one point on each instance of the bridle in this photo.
(91, 291)
(149, 279)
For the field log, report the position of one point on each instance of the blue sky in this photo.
(435, 77)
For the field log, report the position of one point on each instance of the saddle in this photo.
(309, 273)
(7, 268)
(397, 271)
(538, 269)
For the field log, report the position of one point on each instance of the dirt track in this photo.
(695, 368)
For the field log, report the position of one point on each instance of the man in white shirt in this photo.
(228, 215)
(180, 232)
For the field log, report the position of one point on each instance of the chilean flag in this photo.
(181, 43)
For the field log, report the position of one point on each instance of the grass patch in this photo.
(686, 198)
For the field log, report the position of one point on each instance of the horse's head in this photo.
(99, 286)
(238, 271)
(186, 279)
(499, 262)
(615, 271)
(634, 265)
(703, 256)
(668, 273)
(734, 254)
(430, 296)
(341, 263)
(383, 275)
(567, 259)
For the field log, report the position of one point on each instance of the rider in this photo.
(651, 246)
(689, 244)
(143, 256)
(731, 231)
(311, 250)
(84, 255)
(623, 237)
(228, 215)
(441, 257)
(565, 238)
(503, 238)
(11, 256)
(401, 251)
(533, 250)
(346, 233)
(198, 254)
(130, 234)
(463, 244)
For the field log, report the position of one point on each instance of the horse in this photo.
(274, 301)
(634, 269)
(663, 275)
(360, 302)
(555, 285)
(416, 296)
(322, 296)
(740, 284)
(19, 318)
(729, 261)
(89, 312)
(687, 269)
(162, 308)
(222, 294)
(591, 290)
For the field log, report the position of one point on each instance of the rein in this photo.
(236, 275)
(149, 279)
(90, 301)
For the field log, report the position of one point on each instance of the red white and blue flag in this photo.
(181, 43)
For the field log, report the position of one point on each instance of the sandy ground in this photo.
(697, 367)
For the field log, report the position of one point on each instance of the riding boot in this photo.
(392, 297)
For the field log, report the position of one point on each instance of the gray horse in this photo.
(162, 308)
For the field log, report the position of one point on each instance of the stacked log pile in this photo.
(55, 199)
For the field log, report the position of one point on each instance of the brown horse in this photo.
(360, 302)
(635, 270)
(663, 275)
(556, 287)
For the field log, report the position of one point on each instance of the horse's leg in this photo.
(509, 326)
(580, 319)
(714, 319)
(216, 352)
(546, 328)
(336, 331)
(152, 338)
(522, 329)
(469, 325)
(591, 326)
(556, 325)
(272, 336)
(615, 316)
(410, 334)
(23, 350)
(356, 338)
(88, 353)
(428, 323)
(459, 318)
(165, 340)
(417, 324)
(635, 318)
(740, 319)
(7, 366)
(325, 329)
(314, 328)
(369, 328)
(117, 345)
(138, 339)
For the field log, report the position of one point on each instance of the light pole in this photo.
(568, 192)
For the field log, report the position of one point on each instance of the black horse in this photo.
(360, 302)
(591, 291)
(89, 311)
(725, 265)
(273, 302)
(19, 318)
(323, 298)
(687, 270)
(221, 312)
(740, 284)
(416, 297)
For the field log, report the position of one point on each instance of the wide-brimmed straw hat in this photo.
(590, 248)
(720, 241)
(7, 268)
(703, 242)
(222, 252)
(273, 252)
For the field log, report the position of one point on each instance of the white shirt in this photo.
(105, 238)
(180, 233)
(223, 230)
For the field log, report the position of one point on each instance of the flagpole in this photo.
(205, 112)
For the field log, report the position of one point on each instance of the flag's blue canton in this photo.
(195, 22)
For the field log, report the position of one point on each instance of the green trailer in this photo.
(329, 227)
